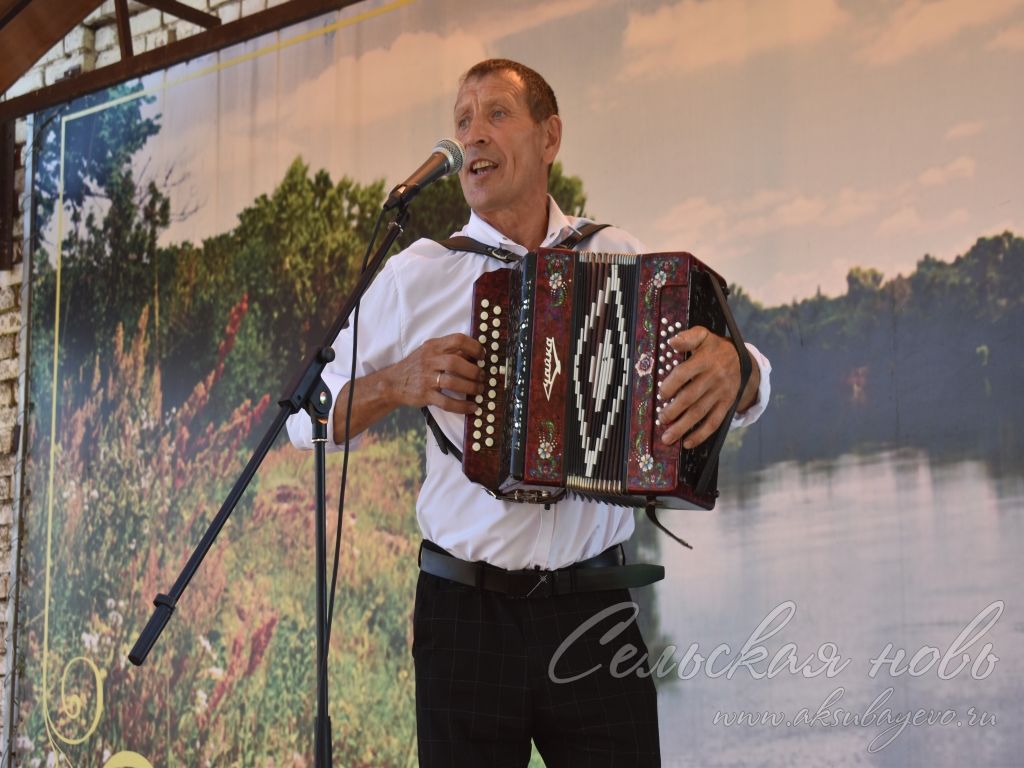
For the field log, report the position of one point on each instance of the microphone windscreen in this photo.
(454, 151)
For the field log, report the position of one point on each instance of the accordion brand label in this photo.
(552, 366)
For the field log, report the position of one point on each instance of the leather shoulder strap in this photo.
(652, 515)
(469, 245)
(446, 445)
(579, 235)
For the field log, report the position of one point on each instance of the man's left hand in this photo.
(699, 391)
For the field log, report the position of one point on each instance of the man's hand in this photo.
(447, 363)
(699, 391)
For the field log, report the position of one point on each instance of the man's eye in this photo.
(498, 113)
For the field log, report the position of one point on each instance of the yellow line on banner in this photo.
(278, 46)
(51, 728)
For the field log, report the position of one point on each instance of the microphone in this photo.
(447, 157)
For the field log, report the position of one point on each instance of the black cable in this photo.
(344, 464)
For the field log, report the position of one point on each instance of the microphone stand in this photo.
(306, 392)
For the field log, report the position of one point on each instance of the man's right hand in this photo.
(447, 363)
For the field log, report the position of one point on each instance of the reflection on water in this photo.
(872, 551)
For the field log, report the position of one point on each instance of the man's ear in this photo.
(552, 138)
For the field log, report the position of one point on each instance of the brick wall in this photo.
(91, 45)
(12, 367)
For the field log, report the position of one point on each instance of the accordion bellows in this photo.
(576, 349)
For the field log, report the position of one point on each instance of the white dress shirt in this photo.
(425, 292)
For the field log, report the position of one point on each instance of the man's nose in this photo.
(476, 132)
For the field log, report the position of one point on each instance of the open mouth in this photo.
(482, 167)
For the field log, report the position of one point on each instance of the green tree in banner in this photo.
(931, 359)
(95, 148)
(295, 253)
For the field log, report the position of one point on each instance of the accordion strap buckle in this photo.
(509, 257)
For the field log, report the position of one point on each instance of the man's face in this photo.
(507, 152)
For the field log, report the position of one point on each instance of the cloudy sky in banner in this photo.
(784, 141)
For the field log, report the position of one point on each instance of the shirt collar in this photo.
(559, 228)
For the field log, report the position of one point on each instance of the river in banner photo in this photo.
(859, 611)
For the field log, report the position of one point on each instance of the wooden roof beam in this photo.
(36, 27)
(124, 29)
(198, 44)
(184, 12)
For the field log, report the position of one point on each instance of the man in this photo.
(482, 655)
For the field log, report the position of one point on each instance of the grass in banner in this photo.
(231, 681)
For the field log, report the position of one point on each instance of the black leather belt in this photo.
(604, 571)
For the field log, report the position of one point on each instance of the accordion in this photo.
(576, 347)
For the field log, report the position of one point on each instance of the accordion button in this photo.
(490, 406)
(478, 412)
(489, 442)
(483, 326)
(491, 393)
(490, 430)
(497, 310)
(485, 303)
(495, 334)
(476, 446)
(479, 398)
(494, 345)
(482, 338)
(480, 363)
(496, 322)
(484, 315)
(493, 382)
(494, 359)
(490, 418)
(476, 434)
(664, 320)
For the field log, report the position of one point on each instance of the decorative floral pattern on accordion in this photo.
(549, 450)
(644, 467)
(549, 454)
(554, 276)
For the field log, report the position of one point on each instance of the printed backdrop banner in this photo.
(853, 169)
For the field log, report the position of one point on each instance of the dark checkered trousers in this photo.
(486, 686)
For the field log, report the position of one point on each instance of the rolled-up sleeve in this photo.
(764, 391)
(379, 345)
(300, 427)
